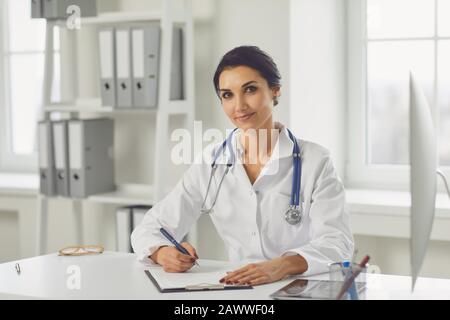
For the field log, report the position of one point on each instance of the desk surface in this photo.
(120, 276)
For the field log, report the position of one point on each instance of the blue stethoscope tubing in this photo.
(293, 214)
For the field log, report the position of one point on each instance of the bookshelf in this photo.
(172, 14)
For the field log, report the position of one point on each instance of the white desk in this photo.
(114, 275)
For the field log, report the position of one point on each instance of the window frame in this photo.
(359, 173)
(9, 161)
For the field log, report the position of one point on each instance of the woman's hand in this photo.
(267, 271)
(173, 260)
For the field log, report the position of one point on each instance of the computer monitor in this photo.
(423, 158)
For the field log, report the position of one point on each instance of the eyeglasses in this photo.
(81, 250)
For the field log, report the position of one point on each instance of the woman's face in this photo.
(246, 97)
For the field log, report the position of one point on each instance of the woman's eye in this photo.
(250, 89)
(226, 95)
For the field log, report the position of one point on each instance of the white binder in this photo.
(47, 171)
(145, 48)
(123, 229)
(61, 145)
(123, 65)
(107, 66)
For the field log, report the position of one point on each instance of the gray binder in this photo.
(58, 9)
(46, 159)
(107, 66)
(36, 9)
(145, 47)
(91, 157)
(176, 71)
(52, 9)
(123, 67)
(61, 147)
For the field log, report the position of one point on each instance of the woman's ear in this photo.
(276, 91)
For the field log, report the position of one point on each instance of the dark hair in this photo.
(253, 57)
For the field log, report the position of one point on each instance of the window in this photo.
(22, 44)
(387, 39)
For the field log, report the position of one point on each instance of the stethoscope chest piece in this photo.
(293, 215)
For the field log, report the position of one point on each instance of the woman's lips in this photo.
(245, 117)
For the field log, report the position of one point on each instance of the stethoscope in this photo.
(293, 214)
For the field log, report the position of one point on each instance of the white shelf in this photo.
(126, 195)
(118, 17)
(28, 185)
(97, 109)
(75, 108)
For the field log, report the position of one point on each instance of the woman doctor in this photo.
(254, 208)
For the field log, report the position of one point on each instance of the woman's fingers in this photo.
(183, 263)
(190, 249)
(242, 275)
(232, 275)
(175, 261)
(259, 280)
(176, 266)
(256, 273)
(183, 257)
(249, 277)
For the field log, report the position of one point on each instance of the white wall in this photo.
(318, 74)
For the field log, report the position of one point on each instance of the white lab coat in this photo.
(251, 218)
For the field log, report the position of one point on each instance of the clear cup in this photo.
(339, 271)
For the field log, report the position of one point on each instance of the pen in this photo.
(352, 278)
(175, 243)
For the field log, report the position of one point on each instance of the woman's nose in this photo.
(240, 103)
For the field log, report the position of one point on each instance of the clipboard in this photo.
(198, 287)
